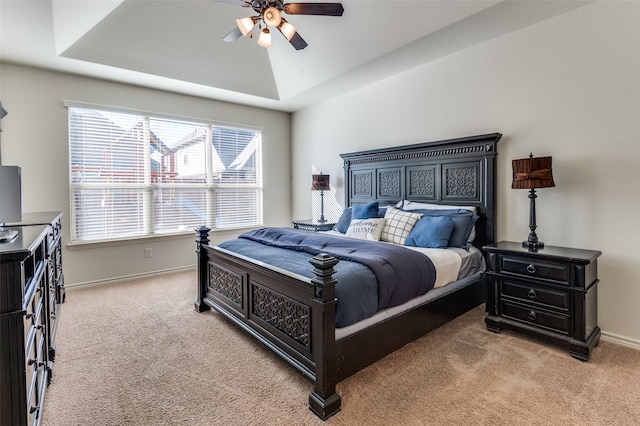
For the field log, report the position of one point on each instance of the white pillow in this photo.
(366, 229)
(398, 225)
(412, 205)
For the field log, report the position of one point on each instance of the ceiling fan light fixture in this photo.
(287, 29)
(271, 17)
(245, 25)
(265, 38)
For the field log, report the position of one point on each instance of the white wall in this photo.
(35, 137)
(568, 87)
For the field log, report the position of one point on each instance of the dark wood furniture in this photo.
(551, 294)
(55, 278)
(31, 282)
(295, 316)
(312, 225)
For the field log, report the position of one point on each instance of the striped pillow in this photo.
(398, 225)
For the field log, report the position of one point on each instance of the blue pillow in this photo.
(463, 221)
(343, 223)
(431, 232)
(365, 211)
(462, 225)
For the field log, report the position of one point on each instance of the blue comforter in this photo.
(371, 275)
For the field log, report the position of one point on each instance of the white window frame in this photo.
(213, 187)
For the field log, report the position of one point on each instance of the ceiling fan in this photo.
(270, 16)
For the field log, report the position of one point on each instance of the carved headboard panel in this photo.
(457, 171)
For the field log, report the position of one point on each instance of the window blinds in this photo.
(135, 175)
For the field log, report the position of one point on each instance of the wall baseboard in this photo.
(130, 277)
(620, 340)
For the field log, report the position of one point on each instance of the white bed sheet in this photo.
(447, 263)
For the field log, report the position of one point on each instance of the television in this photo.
(10, 200)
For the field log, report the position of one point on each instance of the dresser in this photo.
(31, 291)
(550, 294)
(55, 278)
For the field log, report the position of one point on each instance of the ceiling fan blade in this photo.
(297, 41)
(233, 35)
(242, 3)
(326, 9)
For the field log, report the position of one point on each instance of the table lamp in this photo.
(531, 173)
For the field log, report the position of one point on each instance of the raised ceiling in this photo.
(177, 45)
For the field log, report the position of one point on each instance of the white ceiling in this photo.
(176, 45)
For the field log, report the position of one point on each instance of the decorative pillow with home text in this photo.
(366, 229)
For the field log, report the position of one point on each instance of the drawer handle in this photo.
(531, 269)
(533, 316)
(33, 361)
(532, 294)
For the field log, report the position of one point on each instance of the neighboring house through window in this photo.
(136, 175)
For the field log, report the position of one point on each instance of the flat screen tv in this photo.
(10, 200)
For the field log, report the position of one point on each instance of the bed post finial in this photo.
(202, 239)
(323, 269)
(203, 236)
(324, 401)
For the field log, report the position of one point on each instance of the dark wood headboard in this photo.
(459, 172)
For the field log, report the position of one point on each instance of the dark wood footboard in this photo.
(292, 315)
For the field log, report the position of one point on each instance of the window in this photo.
(136, 175)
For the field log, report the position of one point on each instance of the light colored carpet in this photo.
(136, 353)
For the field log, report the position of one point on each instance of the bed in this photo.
(295, 314)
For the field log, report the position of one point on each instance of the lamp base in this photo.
(322, 219)
(533, 246)
(7, 235)
(532, 243)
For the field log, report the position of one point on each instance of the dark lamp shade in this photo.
(320, 183)
(532, 172)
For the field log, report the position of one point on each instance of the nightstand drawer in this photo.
(531, 293)
(536, 269)
(537, 317)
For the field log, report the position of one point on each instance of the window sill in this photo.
(191, 235)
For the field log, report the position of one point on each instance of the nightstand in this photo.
(551, 294)
(312, 225)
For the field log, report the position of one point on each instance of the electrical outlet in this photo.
(148, 252)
